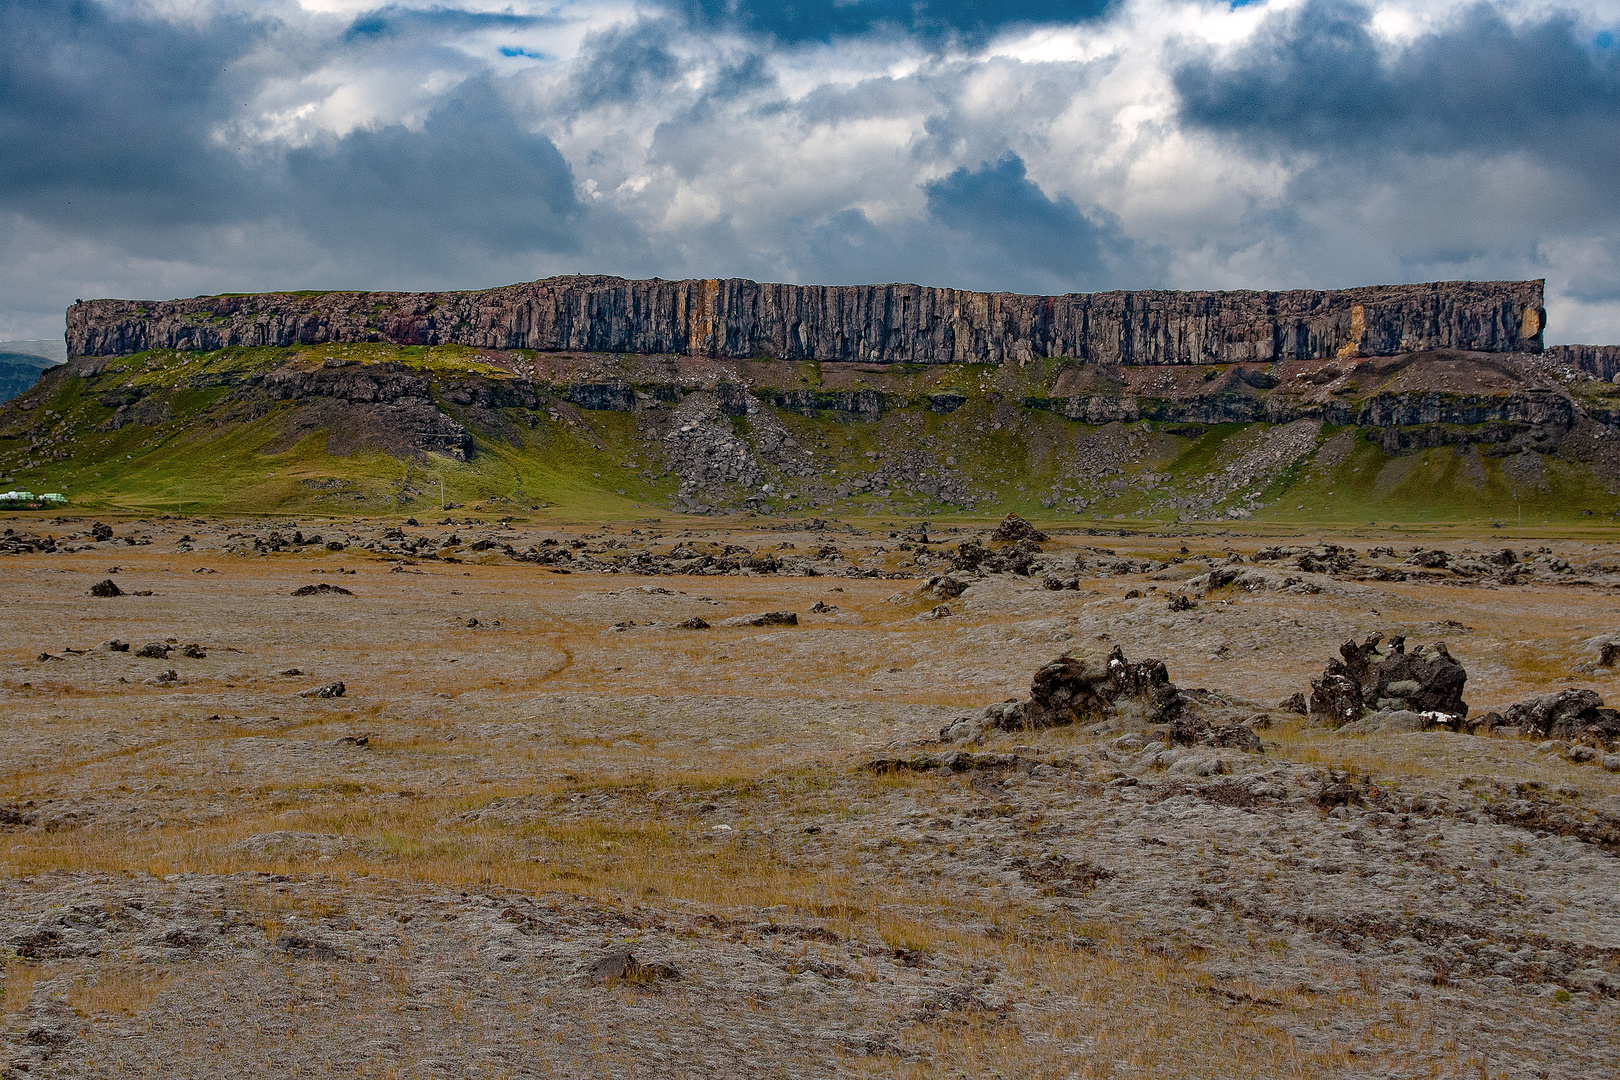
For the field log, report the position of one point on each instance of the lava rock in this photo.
(1014, 528)
(106, 587)
(1071, 689)
(323, 589)
(154, 650)
(1565, 714)
(766, 618)
(1428, 680)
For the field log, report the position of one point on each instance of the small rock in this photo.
(694, 623)
(154, 650)
(194, 652)
(621, 964)
(106, 587)
(168, 677)
(330, 690)
(323, 589)
(766, 618)
(114, 646)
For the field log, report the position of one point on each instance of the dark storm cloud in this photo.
(802, 21)
(107, 118)
(1316, 80)
(470, 178)
(1020, 235)
(624, 64)
(108, 129)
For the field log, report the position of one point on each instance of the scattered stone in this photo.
(323, 589)
(330, 690)
(154, 650)
(1181, 602)
(821, 607)
(194, 652)
(293, 671)
(694, 623)
(1133, 594)
(106, 587)
(355, 740)
(165, 679)
(114, 646)
(100, 532)
(1294, 703)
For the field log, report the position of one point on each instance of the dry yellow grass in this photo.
(113, 987)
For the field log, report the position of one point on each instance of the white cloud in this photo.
(713, 151)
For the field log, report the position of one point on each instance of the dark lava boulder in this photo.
(1427, 680)
(106, 587)
(1566, 714)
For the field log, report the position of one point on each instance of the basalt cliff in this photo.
(738, 319)
(1409, 401)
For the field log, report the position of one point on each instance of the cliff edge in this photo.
(738, 319)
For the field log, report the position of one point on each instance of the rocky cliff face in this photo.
(739, 319)
(1600, 361)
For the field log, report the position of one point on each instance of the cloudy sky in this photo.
(174, 147)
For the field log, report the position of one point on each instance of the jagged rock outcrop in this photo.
(873, 323)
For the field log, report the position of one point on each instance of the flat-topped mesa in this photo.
(739, 319)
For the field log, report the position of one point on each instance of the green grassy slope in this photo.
(163, 431)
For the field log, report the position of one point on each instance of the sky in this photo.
(160, 148)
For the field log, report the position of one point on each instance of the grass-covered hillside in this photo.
(368, 429)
